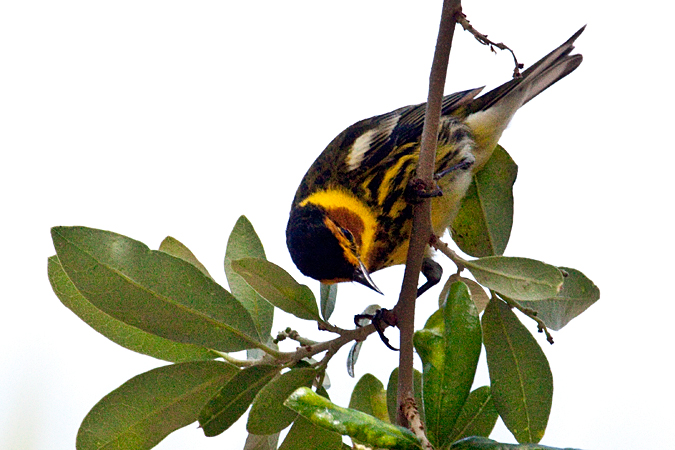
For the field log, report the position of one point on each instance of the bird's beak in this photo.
(362, 276)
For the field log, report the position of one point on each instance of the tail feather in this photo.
(488, 115)
(542, 74)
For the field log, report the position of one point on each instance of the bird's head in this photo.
(324, 249)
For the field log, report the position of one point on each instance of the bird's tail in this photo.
(489, 114)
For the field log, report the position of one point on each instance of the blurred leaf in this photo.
(369, 397)
(576, 295)
(478, 416)
(517, 278)
(483, 443)
(245, 243)
(520, 377)
(255, 442)
(119, 332)
(145, 409)
(449, 346)
(353, 356)
(483, 223)
(392, 395)
(478, 295)
(279, 288)
(176, 248)
(151, 290)
(361, 426)
(268, 415)
(328, 295)
(304, 435)
(228, 405)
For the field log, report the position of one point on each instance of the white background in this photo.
(155, 118)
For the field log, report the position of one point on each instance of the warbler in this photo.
(351, 215)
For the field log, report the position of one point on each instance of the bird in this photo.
(352, 212)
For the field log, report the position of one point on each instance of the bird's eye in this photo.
(348, 234)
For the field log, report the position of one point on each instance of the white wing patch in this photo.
(369, 140)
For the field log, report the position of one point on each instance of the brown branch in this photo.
(409, 410)
(483, 39)
(421, 228)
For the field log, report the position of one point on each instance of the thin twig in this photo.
(442, 247)
(532, 314)
(483, 39)
(421, 228)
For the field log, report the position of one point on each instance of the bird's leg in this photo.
(381, 316)
(433, 272)
(462, 165)
(418, 189)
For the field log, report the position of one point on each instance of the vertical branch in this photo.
(421, 229)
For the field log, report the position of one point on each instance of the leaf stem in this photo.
(529, 312)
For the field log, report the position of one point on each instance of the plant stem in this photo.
(421, 229)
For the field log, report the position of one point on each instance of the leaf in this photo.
(245, 243)
(145, 409)
(478, 416)
(369, 397)
(232, 401)
(449, 346)
(328, 295)
(304, 435)
(353, 356)
(483, 443)
(278, 287)
(392, 395)
(520, 376)
(576, 295)
(478, 295)
(360, 426)
(176, 248)
(119, 332)
(256, 442)
(151, 290)
(517, 278)
(483, 223)
(268, 415)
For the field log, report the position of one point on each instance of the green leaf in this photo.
(361, 426)
(449, 346)
(483, 443)
(520, 377)
(369, 397)
(119, 332)
(256, 442)
(478, 295)
(392, 395)
(151, 290)
(576, 295)
(483, 223)
(517, 278)
(268, 415)
(304, 435)
(478, 416)
(232, 401)
(279, 288)
(245, 243)
(176, 248)
(328, 295)
(148, 407)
